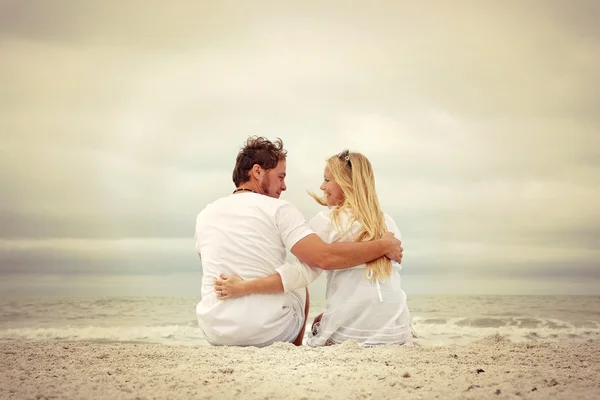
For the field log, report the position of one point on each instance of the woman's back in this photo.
(371, 312)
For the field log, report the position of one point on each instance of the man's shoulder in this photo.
(214, 204)
(270, 203)
(231, 202)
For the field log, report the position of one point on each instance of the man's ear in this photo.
(256, 171)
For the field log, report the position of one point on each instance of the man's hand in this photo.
(229, 287)
(395, 247)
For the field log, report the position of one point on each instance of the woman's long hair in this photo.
(354, 173)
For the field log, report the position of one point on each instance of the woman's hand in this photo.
(230, 287)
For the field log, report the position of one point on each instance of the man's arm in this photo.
(312, 250)
(316, 253)
(330, 256)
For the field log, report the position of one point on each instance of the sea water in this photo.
(436, 319)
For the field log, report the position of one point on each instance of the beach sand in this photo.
(493, 367)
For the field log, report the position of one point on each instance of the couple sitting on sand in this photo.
(252, 297)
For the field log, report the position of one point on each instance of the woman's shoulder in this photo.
(321, 217)
(341, 215)
(389, 220)
(331, 224)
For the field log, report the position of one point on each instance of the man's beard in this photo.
(265, 186)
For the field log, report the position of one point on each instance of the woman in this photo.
(364, 303)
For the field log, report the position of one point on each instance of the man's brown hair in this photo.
(257, 150)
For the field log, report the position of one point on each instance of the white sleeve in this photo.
(291, 225)
(392, 227)
(296, 275)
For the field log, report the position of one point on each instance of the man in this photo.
(247, 234)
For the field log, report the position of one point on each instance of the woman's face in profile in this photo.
(333, 191)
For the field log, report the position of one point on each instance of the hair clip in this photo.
(345, 155)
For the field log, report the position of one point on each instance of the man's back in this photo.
(246, 235)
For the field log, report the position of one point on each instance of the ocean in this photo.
(437, 320)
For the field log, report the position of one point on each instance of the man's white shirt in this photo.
(247, 235)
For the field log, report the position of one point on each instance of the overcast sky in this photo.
(121, 120)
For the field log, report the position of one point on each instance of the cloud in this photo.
(103, 257)
(136, 23)
(120, 122)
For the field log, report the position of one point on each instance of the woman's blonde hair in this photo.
(354, 173)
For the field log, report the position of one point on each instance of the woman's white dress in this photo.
(370, 312)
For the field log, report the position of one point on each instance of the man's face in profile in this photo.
(273, 181)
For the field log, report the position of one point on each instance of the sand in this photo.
(490, 368)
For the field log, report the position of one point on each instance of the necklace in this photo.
(244, 190)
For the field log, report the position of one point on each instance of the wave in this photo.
(168, 334)
(435, 331)
(428, 331)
